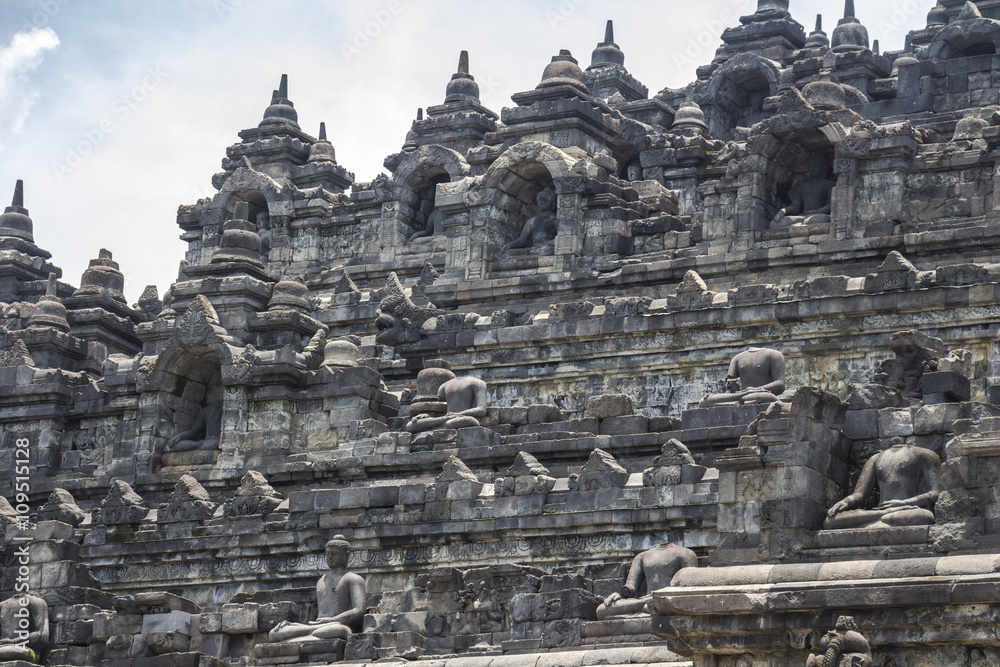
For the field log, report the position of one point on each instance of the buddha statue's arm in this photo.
(931, 478)
(524, 240)
(479, 409)
(777, 366)
(353, 617)
(864, 487)
(634, 580)
(197, 428)
(796, 205)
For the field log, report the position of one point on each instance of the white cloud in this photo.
(17, 60)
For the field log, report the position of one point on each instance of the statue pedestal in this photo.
(318, 651)
(184, 461)
(775, 614)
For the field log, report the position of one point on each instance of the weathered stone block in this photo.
(210, 623)
(609, 405)
(861, 424)
(544, 413)
(624, 425)
(954, 386)
(174, 621)
(239, 619)
(895, 422)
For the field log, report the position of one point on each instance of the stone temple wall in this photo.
(585, 263)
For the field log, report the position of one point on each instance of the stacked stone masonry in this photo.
(506, 372)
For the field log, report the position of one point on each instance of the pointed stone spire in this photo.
(240, 242)
(102, 278)
(49, 311)
(420, 113)
(281, 111)
(322, 150)
(817, 38)
(607, 52)
(463, 86)
(15, 222)
(850, 34)
(906, 58)
(970, 12)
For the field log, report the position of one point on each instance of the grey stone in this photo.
(609, 405)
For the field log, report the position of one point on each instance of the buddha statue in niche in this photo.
(909, 483)
(434, 218)
(811, 199)
(539, 230)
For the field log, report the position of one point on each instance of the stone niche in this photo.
(186, 380)
(736, 93)
(258, 214)
(418, 197)
(515, 202)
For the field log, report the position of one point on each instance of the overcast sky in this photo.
(116, 112)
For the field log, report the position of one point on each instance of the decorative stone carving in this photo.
(600, 472)
(121, 506)
(149, 303)
(673, 466)
(917, 354)
(399, 319)
(255, 496)
(188, 502)
(525, 478)
(340, 596)
(16, 355)
(692, 293)
(895, 273)
(62, 507)
(199, 325)
(761, 375)
(455, 470)
(842, 647)
(909, 483)
(315, 350)
(651, 570)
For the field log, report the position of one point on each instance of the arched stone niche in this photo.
(258, 213)
(417, 178)
(506, 197)
(776, 164)
(185, 381)
(736, 92)
(965, 39)
(267, 209)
